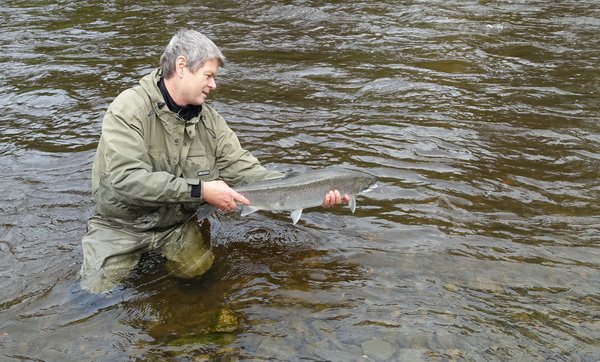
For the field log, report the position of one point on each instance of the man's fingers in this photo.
(334, 197)
(232, 203)
(329, 199)
(219, 194)
(240, 198)
(338, 197)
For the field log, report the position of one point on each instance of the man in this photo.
(163, 152)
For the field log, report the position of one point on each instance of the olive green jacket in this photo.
(148, 159)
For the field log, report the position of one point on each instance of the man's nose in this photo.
(212, 83)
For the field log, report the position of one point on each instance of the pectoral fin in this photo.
(352, 204)
(295, 215)
(248, 209)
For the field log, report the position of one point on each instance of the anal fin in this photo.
(295, 215)
(248, 209)
(352, 204)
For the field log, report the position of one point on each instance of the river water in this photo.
(481, 120)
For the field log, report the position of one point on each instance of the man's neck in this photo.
(186, 112)
(172, 89)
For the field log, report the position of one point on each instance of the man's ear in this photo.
(180, 63)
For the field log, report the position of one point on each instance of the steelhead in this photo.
(298, 192)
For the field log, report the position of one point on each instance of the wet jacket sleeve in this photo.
(128, 170)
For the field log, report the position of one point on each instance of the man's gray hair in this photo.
(194, 46)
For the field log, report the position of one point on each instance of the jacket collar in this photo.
(150, 84)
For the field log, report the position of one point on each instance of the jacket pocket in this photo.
(199, 165)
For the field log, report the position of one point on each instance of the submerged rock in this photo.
(227, 321)
(378, 349)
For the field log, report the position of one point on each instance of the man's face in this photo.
(195, 86)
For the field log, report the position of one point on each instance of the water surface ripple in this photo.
(481, 119)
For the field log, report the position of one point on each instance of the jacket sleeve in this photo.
(236, 165)
(128, 170)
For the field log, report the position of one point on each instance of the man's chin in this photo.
(200, 100)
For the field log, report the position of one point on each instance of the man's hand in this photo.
(335, 198)
(218, 194)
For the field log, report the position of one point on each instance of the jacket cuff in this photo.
(197, 190)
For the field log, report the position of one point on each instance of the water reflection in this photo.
(265, 266)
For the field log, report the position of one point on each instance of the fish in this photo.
(304, 190)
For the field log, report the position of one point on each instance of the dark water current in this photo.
(480, 118)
